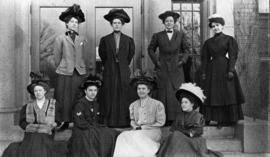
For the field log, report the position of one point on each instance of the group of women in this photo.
(76, 93)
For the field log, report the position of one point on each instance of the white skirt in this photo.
(138, 143)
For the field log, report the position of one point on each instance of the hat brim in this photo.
(136, 81)
(117, 14)
(163, 16)
(182, 91)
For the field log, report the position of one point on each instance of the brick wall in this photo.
(251, 34)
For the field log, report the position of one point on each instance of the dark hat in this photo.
(91, 80)
(143, 78)
(215, 18)
(38, 79)
(72, 11)
(164, 15)
(117, 13)
(191, 91)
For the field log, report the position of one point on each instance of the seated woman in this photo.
(147, 116)
(185, 139)
(38, 119)
(89, 138)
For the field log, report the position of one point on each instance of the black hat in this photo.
(143, 78)
(117, 13)
(164, 15)
(38, 79)
(91, 80)
(215, 18)
(191, 91)
(72, 11)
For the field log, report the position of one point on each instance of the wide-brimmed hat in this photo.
(117, 13)
(143, 78)
(38, 79)
(72, 11)
(164, 15)
(191, 90)
(91, 80)
(215, 18)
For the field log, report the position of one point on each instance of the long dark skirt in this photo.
(94, 142)
(36, 145)
(67, 92)
(179, 145)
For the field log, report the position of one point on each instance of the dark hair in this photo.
(149, 86)
(120, 18)
(68, 18)
(191, 98)
(174, 19)
(41, 84)
(219, 20)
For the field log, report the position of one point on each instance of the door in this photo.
(45, 26)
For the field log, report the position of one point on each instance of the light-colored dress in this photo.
(149, 114)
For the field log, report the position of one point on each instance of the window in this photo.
(190, 23)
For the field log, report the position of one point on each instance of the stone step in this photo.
(3, 145)
(224, 145)
(239, 154)
(214, 132)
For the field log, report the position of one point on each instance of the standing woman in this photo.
(221, 84)
(38, 119)
(116, 51)
(147, 116)
(173, 52)
(69, 61)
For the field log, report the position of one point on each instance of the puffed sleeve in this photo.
(152, 49)
(102, 50)
(233, 53)
(131, 50)
(185, 48)
(205, 57)
(132, 117)
(23, 123)
(160, 117)
(79, 117)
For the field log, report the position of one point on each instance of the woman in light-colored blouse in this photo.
(147, 116)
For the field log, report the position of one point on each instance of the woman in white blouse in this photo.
(147, 115)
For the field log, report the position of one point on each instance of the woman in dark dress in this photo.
(185, 139)
(173, 52)
(89, 137)
(220, 80)
(116, 51)
(38, 118)
(69, 61)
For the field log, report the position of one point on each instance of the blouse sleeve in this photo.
(233, 53)
(185, 48)
(204, 57)
(22, 121)
(102, 50)
(152, 49)
(132, 117)
(79, 117)
(159, 116)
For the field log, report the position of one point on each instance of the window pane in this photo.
(186, 6)
(196, 7)
(186, 20)
(176, 6)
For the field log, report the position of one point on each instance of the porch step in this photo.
(224, 145)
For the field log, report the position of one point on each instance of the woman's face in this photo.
(73, 24)
(143, 90)
(39, 92)
(217, 27)
(186, 105)
(169, 22)
(117, 25)
(91, 92)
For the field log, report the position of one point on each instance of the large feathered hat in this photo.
(142, 77)
(91, 80)
(117, 13)
(38, 79)
(164, 15)
(215, 18)
(72, 11)
(190, 89)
